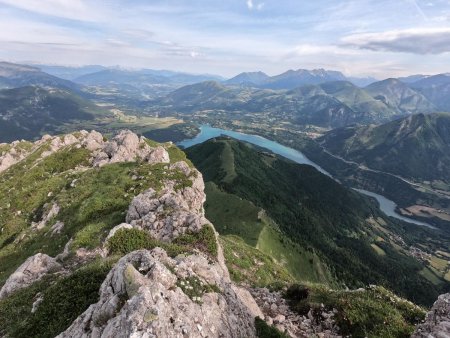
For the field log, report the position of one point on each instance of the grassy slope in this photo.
(92, 201)
(319, 215)
(96, 202)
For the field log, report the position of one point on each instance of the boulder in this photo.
(148, 294)
(32, 270)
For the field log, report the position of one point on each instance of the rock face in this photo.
(32, 270)
(128, 147)
(437, 322)
(277, 312)
(148, 294)
(124, 147)
(172, 211)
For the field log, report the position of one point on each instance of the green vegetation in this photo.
(37, 111)
(125, 241)
(250, 266)
(416, 147)
(91, 201)
(63, 301)
(320, 216)
(194, 288)
(232, 215)
(175, 133)
(304, 265)
(263, 330)
(374, 312)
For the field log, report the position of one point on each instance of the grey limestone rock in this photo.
(437, 322)
(145, 295)
(32, 270)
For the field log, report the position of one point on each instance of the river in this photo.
(208, 132)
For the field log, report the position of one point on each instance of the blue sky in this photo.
(380, 38)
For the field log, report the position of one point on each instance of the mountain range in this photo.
(293, 78)
(14, 75)
(28, 112)
(416, 147)
(330, 104)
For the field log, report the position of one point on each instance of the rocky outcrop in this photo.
(124, 147)
(148, 294)
(172, 211)
(32, 270)
(437, 322)
(318, 323)
(52, 212)
(127, 147)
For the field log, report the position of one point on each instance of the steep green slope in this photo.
(28, 112)
(318, 214)
(417, 147)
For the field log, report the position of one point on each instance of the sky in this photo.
(379, 38)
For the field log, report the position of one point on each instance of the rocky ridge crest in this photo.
(147, 293)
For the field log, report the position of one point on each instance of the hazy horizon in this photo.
(361, 38)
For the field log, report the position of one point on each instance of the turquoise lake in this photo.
(208, 132)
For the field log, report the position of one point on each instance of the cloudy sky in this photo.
(378, 38)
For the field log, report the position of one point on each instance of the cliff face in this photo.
(437, 322)
(176, 285)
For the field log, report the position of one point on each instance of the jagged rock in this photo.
(124, 147)
(277, 311)
(142, 297)
(437, 322)
(52, 212)
(93, 140)
(127, 147)
(171, 212)
(32, 270)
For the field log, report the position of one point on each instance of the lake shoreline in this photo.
(207, 132)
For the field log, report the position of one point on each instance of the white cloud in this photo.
(313, 49)
(69, 9)
(415, 41)
(251, 5)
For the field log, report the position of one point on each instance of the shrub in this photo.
(263, 330)
(63, 301)
(127, 240)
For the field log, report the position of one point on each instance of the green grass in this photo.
(97, 202)
(378, 249)
(318, 214)
(374, 312)
(303, 264)
(232, 215)
(263, 330)
(64, 300)
(431, 274)
(125, 241)
(250, 266)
